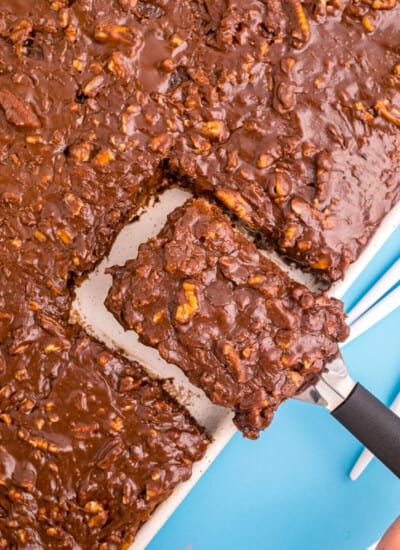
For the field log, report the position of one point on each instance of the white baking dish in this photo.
(90, 312)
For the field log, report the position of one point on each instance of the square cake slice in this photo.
(236, 324)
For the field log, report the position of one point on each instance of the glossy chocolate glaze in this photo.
(285, 112)
(236, 324)
(294, 113)
(89, 445)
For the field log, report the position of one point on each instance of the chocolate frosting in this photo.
(286, 112)
(236, 324)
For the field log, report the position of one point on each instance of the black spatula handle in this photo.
(376, 426)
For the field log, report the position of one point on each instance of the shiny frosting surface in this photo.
(89, 444)
(236, 324)
(285, 112)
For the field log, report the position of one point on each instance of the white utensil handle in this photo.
(385, 283)
(380, 310)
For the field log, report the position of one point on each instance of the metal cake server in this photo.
(369, 420)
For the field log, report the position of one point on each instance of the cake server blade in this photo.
(369, 420)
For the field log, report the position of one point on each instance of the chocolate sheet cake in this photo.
(286, 112)
(89, 445)
(294, 123)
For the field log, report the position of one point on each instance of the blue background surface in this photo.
(290, 490)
